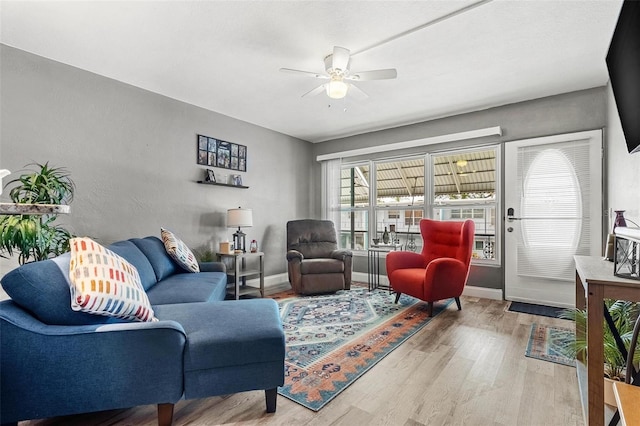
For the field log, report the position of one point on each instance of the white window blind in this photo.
(331, 191)
(554, 205)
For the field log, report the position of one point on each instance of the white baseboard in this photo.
(269, 280)
(364, 278)
(482, 292)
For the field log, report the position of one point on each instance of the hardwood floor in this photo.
(464, 367)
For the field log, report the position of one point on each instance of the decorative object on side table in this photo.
(27, 225)
(239, 217)
(627, 253)
(619, 220)
(392, 234)
(253, 246)
(411, 245)
(226, 247)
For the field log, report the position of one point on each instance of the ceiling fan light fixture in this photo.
(337, 89)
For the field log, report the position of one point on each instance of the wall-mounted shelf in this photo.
(33, 209)
(223, 184)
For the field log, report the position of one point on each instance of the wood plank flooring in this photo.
(464, 368)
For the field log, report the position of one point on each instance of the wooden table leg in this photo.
(595, 356)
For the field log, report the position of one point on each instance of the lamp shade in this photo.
(337, 89)
(239, 217)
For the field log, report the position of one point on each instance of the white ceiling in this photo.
(225, 55)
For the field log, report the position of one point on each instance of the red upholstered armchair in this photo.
(441, 270)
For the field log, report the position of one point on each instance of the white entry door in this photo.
(553, 211)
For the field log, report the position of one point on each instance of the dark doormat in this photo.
(529, 308)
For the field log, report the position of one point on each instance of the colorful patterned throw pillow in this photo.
(179, 251)
(104, 283)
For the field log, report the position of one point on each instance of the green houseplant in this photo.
(624, 314)
(37, 237)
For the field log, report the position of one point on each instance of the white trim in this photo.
(538, 290)
(471, 291)
(535, 300)
(269, 280)
(471, 134)
(363, 278)
(482, 292)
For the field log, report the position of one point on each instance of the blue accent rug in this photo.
(332, 340)
(548, 344)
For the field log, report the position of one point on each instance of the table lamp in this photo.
(239, 217)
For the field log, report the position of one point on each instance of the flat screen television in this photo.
(623, 64)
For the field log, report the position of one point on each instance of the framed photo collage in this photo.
(217, 153)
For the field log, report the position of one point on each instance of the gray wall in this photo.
(566, 113)
(132, 154)
(623, 168)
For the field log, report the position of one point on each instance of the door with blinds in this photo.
(553, 211)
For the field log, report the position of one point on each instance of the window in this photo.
(412, 217)
(354, 202)
(390, 194)
(399, 205)
(464, 187)
(467, 213)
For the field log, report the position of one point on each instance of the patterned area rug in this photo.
(548, 344)
(334, 339)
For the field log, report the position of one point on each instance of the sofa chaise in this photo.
(56, 361)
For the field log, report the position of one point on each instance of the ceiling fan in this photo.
(340, 77)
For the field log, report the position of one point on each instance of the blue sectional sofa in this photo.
(55, 361)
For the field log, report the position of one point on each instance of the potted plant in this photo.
(624, 314)
(37, 237)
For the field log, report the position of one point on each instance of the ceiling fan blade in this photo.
(356, 92)
(305, 73)
(340, 58)
(373, 75)
(315, 91)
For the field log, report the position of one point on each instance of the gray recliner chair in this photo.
(315, 263)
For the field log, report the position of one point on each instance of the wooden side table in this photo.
(243, 266)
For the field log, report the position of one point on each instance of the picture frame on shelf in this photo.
(210, 176)
(236, 180)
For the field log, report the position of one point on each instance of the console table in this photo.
(240, 271)
(594, 283)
